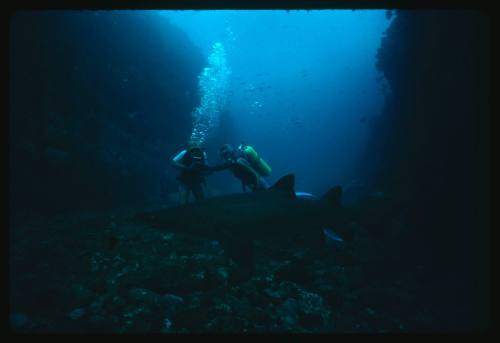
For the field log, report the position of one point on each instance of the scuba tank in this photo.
(254, 159)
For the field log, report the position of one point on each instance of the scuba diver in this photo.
(257, 163)
(193, 165)
(241, 168)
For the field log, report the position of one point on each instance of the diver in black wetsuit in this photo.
(193, 165)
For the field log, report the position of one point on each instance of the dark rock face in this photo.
(430, 150)
(99, 103)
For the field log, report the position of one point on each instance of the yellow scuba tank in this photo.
(255, 160)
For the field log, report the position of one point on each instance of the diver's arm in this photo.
(263, 183)
(176, 161)
(178, 165)
(219, 167)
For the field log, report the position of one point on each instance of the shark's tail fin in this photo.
(334, 196)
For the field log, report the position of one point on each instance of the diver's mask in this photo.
(227, 155)
(242, 146)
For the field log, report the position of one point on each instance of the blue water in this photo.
(303, 85)
(101, 101)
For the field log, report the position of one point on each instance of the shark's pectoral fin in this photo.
(241, 251)
(333, 239)
(305, 195)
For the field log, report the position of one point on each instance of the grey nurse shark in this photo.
(236, 220)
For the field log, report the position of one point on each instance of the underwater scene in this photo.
(248, 171)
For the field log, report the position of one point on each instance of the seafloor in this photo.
(102, 272)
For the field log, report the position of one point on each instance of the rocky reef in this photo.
(430, 150)
(100, 272)
(99, 103)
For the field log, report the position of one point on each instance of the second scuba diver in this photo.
(242, 168)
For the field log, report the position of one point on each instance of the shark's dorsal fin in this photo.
(285, 184)
(334, 196)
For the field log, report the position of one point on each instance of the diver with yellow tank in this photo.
(246, 165)
(257, 162)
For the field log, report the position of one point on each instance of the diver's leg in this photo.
(263, 183)
(254, 187)
(198, 192)
(187, 192)
(182, 194)
(207, 191)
